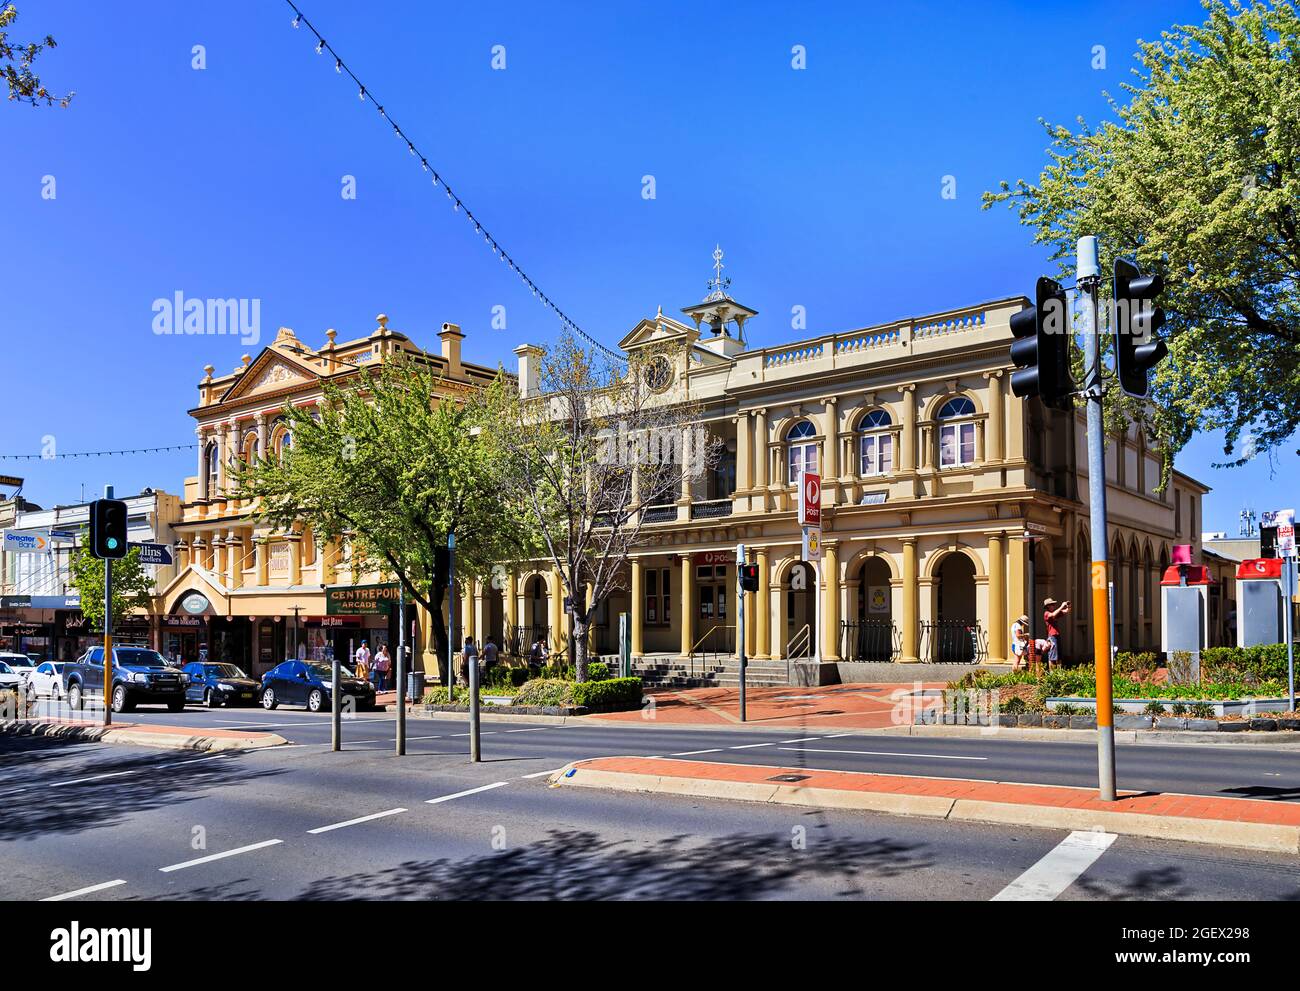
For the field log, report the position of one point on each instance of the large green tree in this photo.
(16, 60)
(132, 585)
(1198, 177)
(393, 466)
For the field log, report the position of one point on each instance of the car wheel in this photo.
(211, 700)
(121, 701)
(74, 697)
(316, 700)
(176, 705)
(268, 699)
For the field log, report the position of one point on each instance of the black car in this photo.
(139, 675)
(215, 683)
(310, 683)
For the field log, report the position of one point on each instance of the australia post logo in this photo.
(810, 499)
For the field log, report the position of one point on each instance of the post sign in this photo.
(27, 541)
(810, 499)
(715, 557)
(159, 554)
(812, 543)
(361, 600)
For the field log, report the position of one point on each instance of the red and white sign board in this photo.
(810, 499)
(715, 557)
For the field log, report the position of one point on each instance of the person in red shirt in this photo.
(1052, 611)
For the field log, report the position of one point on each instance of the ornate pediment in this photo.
(271, 372)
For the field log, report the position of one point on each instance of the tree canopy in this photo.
(1198, 178)
(16, 60)
(132, 585)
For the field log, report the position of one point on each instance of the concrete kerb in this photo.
(132, 736)
(1216, 832)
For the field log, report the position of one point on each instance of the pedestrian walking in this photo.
(1019, 642)
(362, 661)
(468, 656)
(1052, 612)
(489, 655)
(382, 664)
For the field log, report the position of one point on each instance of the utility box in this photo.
(1185, 608)
(1261, 602)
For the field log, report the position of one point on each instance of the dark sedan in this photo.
(310, 683)
(217, 684)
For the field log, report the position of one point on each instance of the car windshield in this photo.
(224, 671)
(140, 658)
(323, 670)
(17, 660)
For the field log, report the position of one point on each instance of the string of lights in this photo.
(457, 204)
(52, 456)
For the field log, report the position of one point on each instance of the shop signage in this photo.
(11, 480)
(158, 554)
(189, 621)
(196, 603)
(27, 541)
(715, 557)
(810, 499)
(812, 543)
(333, 622)
(361, 600)
(15, 601)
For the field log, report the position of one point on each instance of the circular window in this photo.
(658, 373)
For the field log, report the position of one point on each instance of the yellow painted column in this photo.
(263, 568)
(509, 611)
(763, 609)
(831, 604)
(688, 605)
(907, 455)
(559, 629)
(235, 560)
(995, 447)
(780, 630)
(998, 624)
(637, 618)
(295, 560)
(910, 632)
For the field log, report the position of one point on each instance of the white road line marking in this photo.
(96, 777)
(749, 746)
(805, 739)
(486, 732)
(1058, 870)
(542, 774)
(882, 753)
(838, 736)
(354, 822)
(219, 856)
(83, 891)
(471, 791)
(692, 753)
(196, 760)
(530, 729)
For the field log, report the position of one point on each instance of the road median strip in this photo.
(142, 734)
(1236, 822)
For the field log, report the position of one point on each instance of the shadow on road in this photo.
(581, 866)
(1160, 883)
(65, 803)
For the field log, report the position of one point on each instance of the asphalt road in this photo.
(303, 822)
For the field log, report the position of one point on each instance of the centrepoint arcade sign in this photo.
(362, 600)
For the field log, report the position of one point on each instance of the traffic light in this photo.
(1134, 324)
(108, 528)
(1041, 349)
(442, 565)
(749, 577)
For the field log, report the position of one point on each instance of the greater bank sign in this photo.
(26, 541)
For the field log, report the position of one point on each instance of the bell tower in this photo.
(722, 315)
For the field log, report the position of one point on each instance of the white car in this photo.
(9, 678)
(20, 664)
(46, 681)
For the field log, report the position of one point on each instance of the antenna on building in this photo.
(1248, 526)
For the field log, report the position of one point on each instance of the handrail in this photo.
(707, 633)
(806, 632)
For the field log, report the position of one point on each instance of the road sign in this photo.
(27, 541)
(154, 553)
(812, 543)
(810, 499)
(1284, 522)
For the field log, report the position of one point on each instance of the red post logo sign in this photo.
(810, 499)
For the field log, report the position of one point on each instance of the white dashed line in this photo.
(542, 774)
(357, 821)
(96, 777)
(749, 746)
(83, 891)
(692, 753)
(882, 753)
(471, 791)
(1062, 866)
(219, 856)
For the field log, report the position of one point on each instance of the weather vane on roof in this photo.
(718, 285)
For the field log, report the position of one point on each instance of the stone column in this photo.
(777, 627)
(201, 436)
(222, 436)
(260, 420)
(558, 627)
(688, 605)
(762, 459)
(910, 632)
(218, 555)
(831, 427)
(762, 609)
(637, 617)
(998, 621)
(1017, 596)
(469, 611)
(907, 442)
(232, 455)
(831, 604)
(234, 559)
(509, 609)
(263, 553)
(182, 554)
(744, 448)
(295, 559)
(995, 443)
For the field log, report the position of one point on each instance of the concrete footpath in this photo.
(1234, 822)
(143, 734)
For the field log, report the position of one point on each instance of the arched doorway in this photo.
(801, 610)
(869, 633)
(954, 636)
(534, 623)
(495, 615)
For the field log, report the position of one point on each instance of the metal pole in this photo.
(1289, 564)
(401, 671)
(451, 615)
(108, 631)
(740, 625)
(1032, 611)
(1088, 278)
(336, 708)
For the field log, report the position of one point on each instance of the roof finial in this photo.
(718, 285)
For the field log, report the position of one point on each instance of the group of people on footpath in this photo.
(1048, 649)
(373, 667)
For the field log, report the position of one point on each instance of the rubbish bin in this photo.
(414, 686)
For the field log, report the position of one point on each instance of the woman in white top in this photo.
(1019, 641)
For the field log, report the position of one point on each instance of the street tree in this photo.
(391, 465)
(133, 586)
(597, 443)
(16, 60)
(1198, 176)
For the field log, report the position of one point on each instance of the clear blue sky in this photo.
(822, 185)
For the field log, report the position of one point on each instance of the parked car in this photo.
(10, 680)
(215, 684)
(139, 675)
(21, 664)
(46, 681)
(310, 683)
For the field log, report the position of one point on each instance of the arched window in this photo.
(876, 445)
(282, 443)
(803, 452)
(956, 433)
(250, 451)
(210, 471)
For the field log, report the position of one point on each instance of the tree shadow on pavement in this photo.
(81, 797)
(1159, 883)
(577, 865)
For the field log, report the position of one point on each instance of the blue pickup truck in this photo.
(139, 675)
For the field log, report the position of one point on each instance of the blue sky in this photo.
(822, 185)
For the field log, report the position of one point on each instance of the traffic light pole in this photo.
(740, 624)
(401, 670)
(108, 631)
(1088, 275)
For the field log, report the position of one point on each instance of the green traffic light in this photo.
(112, 543)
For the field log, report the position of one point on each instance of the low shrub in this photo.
(1180, 667)
(1014, 706)
(546, 691)
(437, 695)
(1155, 708)
(1066, 709)
(1202, 710)
(1138, 665)
(609, 693)
(1178, 708)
